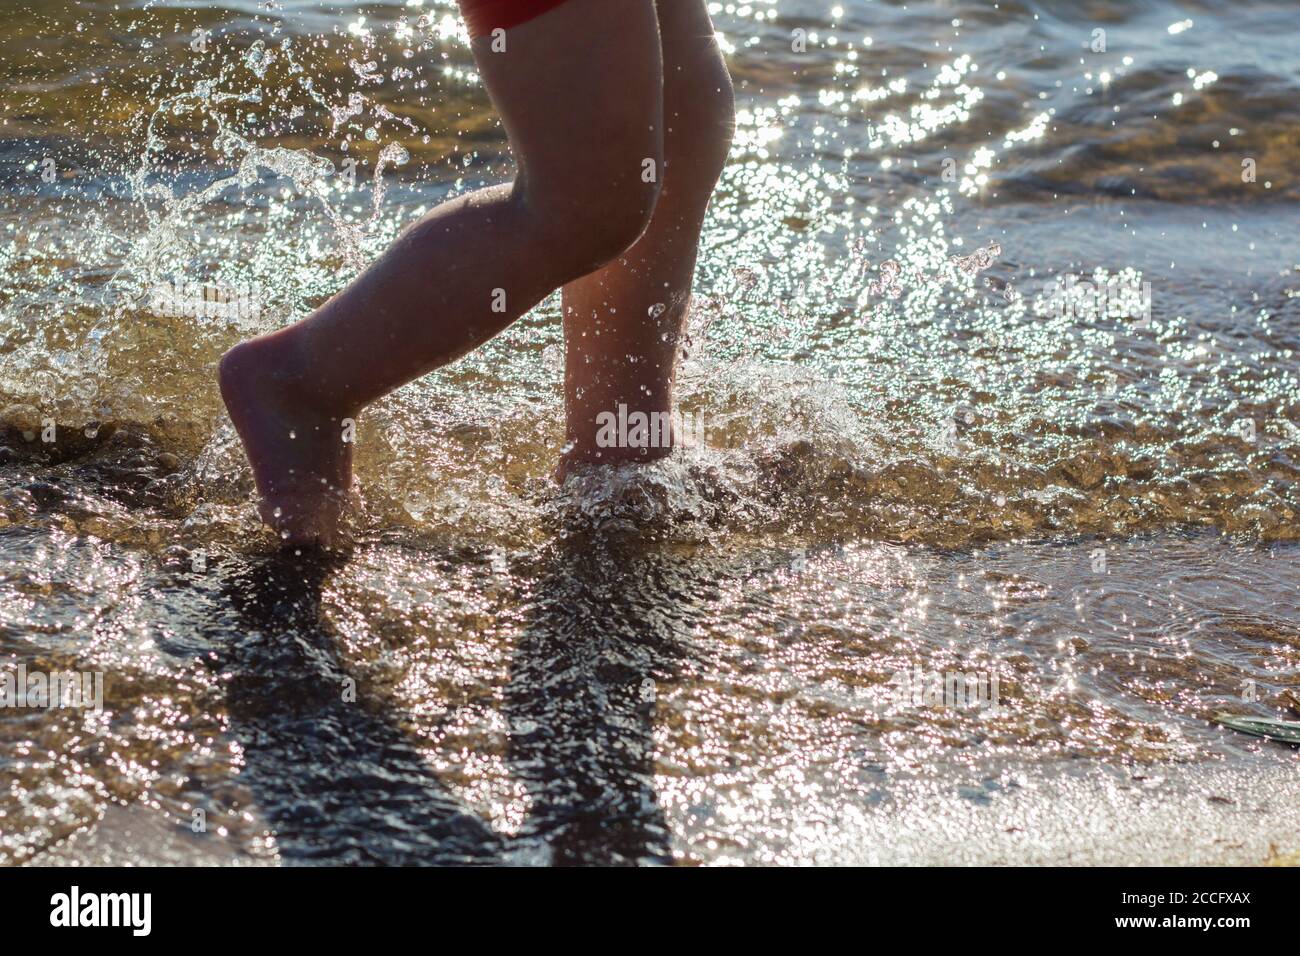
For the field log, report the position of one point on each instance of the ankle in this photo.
(574, 457)
(281, 364)
(301, 374)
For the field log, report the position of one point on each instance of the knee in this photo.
(700, 130)
(589, 219)
(617, 215)
(719, 129)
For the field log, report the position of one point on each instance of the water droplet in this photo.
(416, 505)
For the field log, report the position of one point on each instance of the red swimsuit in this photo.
(484, 16)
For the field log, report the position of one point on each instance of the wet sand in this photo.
(915, 459)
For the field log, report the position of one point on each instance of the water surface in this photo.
(913, 462)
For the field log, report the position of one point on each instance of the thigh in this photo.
(579, 89)
(688, 37)
(482, 17)
(699, 105)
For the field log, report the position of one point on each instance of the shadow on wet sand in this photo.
(340, 781)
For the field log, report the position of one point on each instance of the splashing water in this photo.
(1033, 414)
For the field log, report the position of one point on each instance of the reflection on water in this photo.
(919, 457)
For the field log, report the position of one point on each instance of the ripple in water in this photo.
(993, 352)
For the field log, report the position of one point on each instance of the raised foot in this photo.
(301, 453)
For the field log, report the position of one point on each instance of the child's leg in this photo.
(579, 90)
(622, 323)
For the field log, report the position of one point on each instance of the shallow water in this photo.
(914, 461)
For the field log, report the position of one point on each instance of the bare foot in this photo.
(301, 461)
